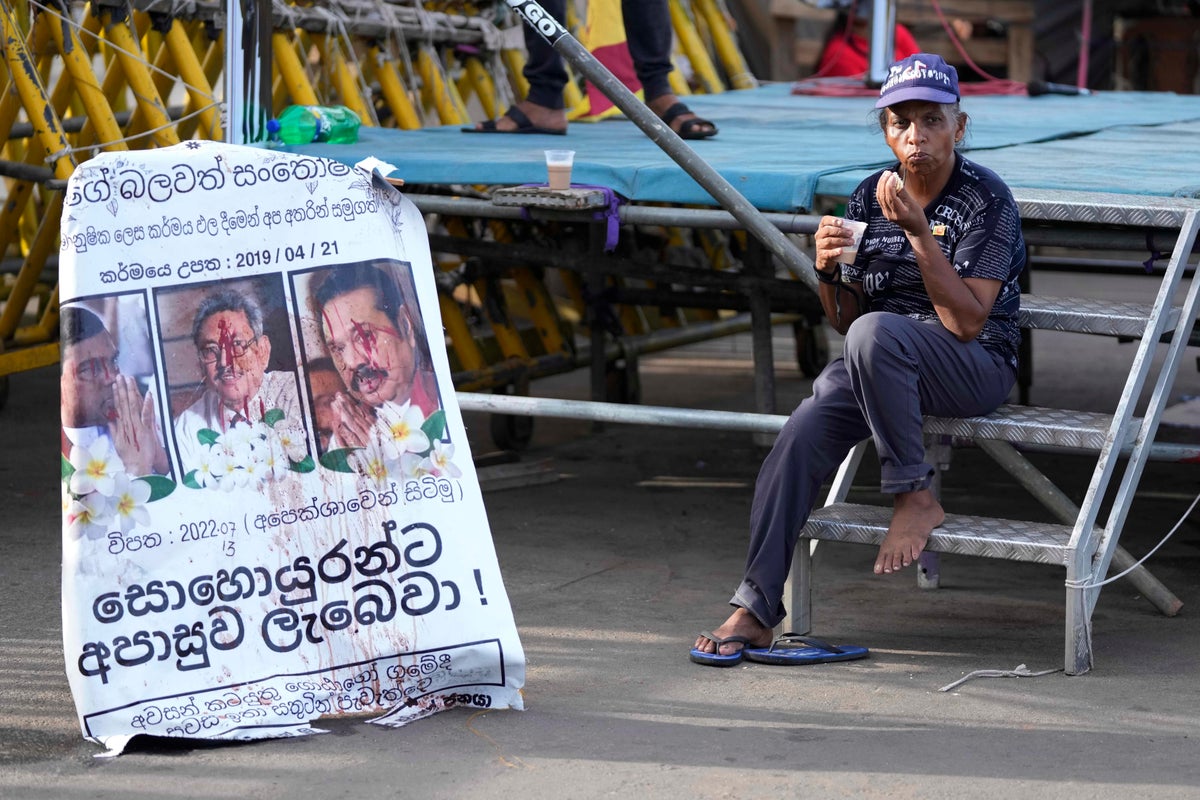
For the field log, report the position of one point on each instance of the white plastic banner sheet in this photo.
(270, 512)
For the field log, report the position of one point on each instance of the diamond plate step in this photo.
(1013, 540)
(1088, 315)
(1084, 430)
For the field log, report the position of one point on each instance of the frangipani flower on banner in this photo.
(376, 461)
(291, 438)
(129, 502)
(98, 494)
(404, 444)
(94, 467)
(88, 515)
(402, 426)
(441, 461)
(212, 463)
(250, 454)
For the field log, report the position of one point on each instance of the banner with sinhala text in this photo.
(270, 513)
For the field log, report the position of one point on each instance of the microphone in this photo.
(1036, 88)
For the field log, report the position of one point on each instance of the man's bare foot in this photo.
(915, 516)
(684, 123)
(740, 623)
(550, 119)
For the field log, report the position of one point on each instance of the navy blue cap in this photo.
(923, 76)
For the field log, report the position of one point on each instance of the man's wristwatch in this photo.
(833, 278)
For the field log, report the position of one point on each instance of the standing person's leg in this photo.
(545, 70)
(649, 35)
(542, 111)
(815, 439)
(902, 369)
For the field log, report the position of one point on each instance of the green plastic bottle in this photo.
(305, 124)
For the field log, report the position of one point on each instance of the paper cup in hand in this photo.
(857, 228)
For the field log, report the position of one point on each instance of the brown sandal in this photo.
(524, 125)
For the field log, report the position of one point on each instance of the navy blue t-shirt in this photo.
(976, 223)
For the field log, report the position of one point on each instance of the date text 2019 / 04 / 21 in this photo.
(284, 254)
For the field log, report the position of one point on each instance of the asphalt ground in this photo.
(634, 547)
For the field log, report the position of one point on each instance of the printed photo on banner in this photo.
(112, 425)
(371, 380)
(233, 383)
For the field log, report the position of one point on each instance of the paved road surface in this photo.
(615, 567)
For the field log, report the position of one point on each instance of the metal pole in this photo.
(235, 99)
(247, 70)
(622, 413)
(1132, 240)
(633, 215)
(745, 420)
(883, 40)
(661, 134)
(1067, 512)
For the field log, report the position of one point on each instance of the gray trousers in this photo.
(893, 370)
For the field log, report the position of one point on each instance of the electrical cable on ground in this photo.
(1020, 671)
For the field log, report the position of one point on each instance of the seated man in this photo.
(99, 403)
(233, 350)
(928, 305)
(380, 354)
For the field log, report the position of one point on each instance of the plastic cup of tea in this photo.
(858, 229)
(558, 168)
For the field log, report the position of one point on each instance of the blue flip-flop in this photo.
(791, 649)
(717, 659)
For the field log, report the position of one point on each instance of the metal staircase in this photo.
(1084, 545)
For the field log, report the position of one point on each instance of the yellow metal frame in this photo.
(50, 143)
(394, 92)
(54, 84)
(693, 47)
(716, 20)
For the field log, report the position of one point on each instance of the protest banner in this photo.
(270, 512)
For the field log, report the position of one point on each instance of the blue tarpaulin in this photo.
(781, 149)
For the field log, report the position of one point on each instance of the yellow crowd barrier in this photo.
(118, 74)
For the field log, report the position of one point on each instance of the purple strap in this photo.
(609, 214)
(1155, 254)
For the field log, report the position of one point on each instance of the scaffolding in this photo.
(104, 75)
